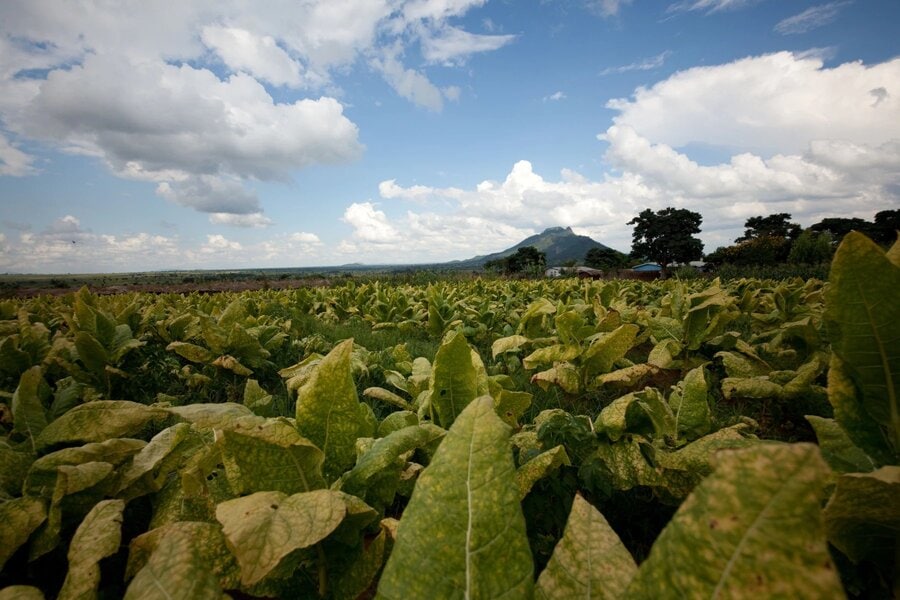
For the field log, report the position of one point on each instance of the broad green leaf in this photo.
(862, 517)
(21, 592)
(384, 452)
(850, 414)
(531, 324)
(14, 467)
(149, 458)
(589, 561)
(207, 540)
(192, 352)
(29, 414)
(177, 570)
(263, 528)
(91, 352)
(863, 320)
(396, 421)
(690, 406)
(565, 375)
(539, 467)
(353, 574)
(752, 529)
(100, 420)
(626, 465)
(454, 382)
(463, 533)
(42, 476)
(549, 355)
(257, 399)
(255, 463)
(740, 365)
(638, 412)
(98, 536)
(94, 479)
(627, 378)
(664, 353)
(511, 405)
(511, 343)
(607, 349)
(837, 448)
(328, 410)
(20, 518)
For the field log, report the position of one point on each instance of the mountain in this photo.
(559, 244)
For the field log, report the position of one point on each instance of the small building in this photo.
(588, 273)
(554, 272)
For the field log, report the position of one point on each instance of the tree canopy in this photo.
(775, 225)
(667, 236)
(605, 258)
(526, 260)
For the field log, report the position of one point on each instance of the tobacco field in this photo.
(474, 439)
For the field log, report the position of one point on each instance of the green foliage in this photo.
(253, 449)
(527, 260)
(667, 236)
(775, 226)
(605, 259)
(810, 248)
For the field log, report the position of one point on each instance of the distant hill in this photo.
(559, 244)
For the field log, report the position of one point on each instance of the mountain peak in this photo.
(559, 244)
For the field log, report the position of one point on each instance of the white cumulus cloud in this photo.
(369, 224)
(767, 104)
(258, 55)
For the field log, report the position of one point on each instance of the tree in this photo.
(604, 258)
(528, 260)
(887, 224)
(838, 227)
(776, 225)
(667, 236)
(811, 248)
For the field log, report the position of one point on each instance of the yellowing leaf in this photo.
(690, 406)
(29, 414)
(753, 529)
(177, 570)
(21, 592)
(98, 536)
(20, 517)
(230, 363)
(328, 410)
(98, 421)
(254, 463)
(206, 540)
(589, 561)
(511, 343)
(454, 381)
(263, 528)
(539, 467)
(463, 533)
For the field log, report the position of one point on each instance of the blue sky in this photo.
(228, 134)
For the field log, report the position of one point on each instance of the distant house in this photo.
(588, 273)
(554, 272)
(647, 267)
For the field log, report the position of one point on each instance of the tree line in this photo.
(668, 237)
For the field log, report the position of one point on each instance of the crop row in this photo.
(491, 438)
